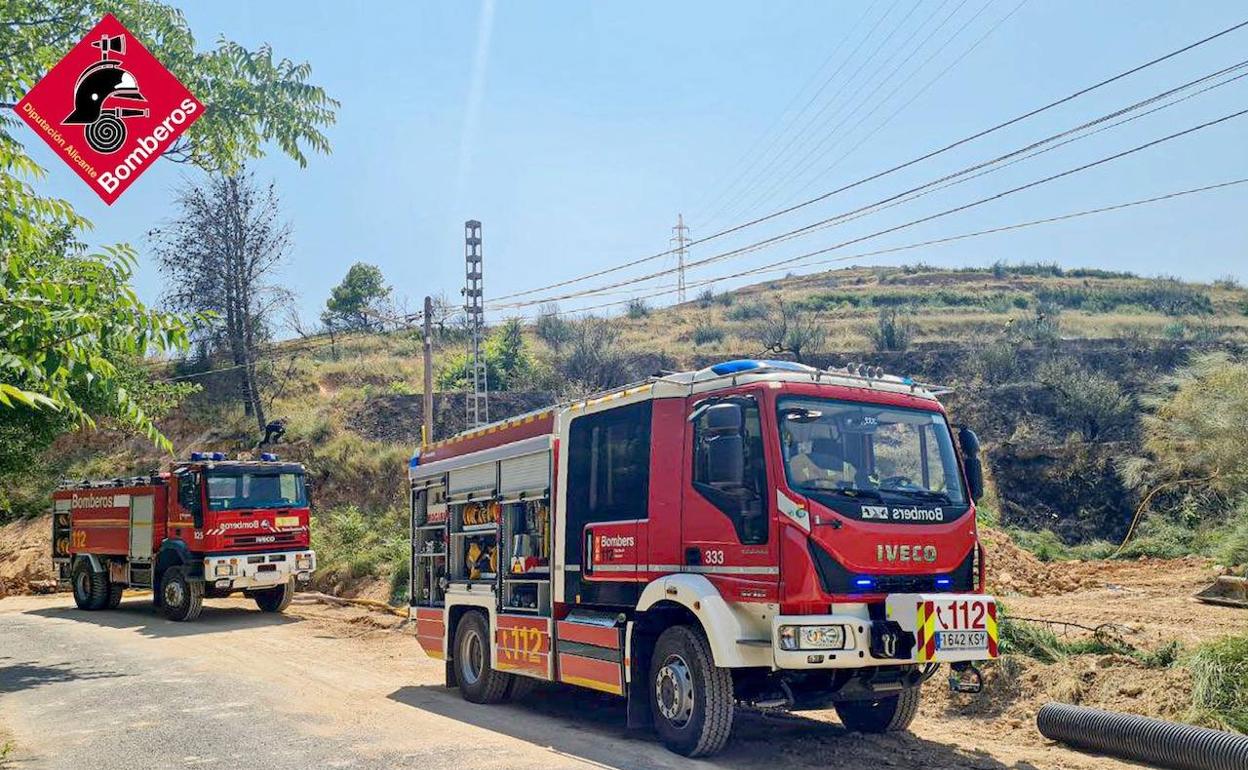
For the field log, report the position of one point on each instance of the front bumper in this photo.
(246, 571)
(913, 630)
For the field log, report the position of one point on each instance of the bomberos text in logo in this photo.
(109, 109)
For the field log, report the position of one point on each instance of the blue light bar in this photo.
(415, 461)
(944, 582)
(864, 583)
(198, 456)
(747, 364)
(218, 455)
(268, 457)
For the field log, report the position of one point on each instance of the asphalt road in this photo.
(326, 687)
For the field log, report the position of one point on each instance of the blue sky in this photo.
(577, 131)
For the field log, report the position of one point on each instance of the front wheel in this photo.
(275, 599)
(882, 715)
(478, 681)
(181, 598)
(691, 698)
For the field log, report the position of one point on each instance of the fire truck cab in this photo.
(759, 534)
(209, 527)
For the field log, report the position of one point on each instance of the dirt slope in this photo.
(25, 563)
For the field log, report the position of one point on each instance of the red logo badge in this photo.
(109, 109)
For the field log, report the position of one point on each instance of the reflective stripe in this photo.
(674, 568)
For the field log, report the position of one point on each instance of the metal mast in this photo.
(680, 237)
(478, 408)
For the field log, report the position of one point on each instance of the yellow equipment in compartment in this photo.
(480, 558)
(481, 513)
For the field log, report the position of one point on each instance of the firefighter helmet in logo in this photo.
(106, 81)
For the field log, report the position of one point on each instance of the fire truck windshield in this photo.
(853, 450)
(255, 490)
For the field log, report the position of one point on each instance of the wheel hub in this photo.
(472, 657)
(674, 690)
(173, 593)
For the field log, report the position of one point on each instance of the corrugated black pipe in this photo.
(1153, 741)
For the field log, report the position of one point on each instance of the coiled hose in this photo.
(1152, 741)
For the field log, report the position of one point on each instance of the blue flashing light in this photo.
(412, 463)
(268, 457)
(218, 455)
(944, 582)
(195, 456)
(864, 583)
(748, 364)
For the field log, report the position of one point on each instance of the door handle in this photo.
(693, 556)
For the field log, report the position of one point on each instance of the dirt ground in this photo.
(25, 563)
(367, 661)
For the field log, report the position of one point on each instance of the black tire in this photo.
(478, 681)
(114, 595)
(690, 697)
(90, 587)
(521, 687)
(883, 715)
(182, 599)
(275, 599)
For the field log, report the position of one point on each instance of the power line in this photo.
(780, 118)
(811, 227)
(788, 264)
(888, 171)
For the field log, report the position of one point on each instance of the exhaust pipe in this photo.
(1141, 739)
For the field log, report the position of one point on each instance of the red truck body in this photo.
(808, 537)
(209, 527)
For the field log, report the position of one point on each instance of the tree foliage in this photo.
(220, 255)
(359, 302)
(786, 327)
(70, 324)
(507, 362)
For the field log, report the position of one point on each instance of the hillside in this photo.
(1006, 339)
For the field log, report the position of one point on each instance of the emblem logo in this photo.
(109, 109)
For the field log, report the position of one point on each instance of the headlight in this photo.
(812, 637)
(303, 564)
(223, 569)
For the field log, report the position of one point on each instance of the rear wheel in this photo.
(181, 598)
(882, 715)
(690, 697)
(90, 587)
(275, 599)
(114, 595)
(478, 681)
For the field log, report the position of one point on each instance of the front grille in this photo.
(835, 579)
(275, 538)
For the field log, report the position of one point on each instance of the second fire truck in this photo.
(757, 533)
(208, 528)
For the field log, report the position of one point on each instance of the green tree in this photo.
(507, 363)
(69, 319)
(359, 302)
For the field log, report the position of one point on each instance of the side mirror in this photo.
(725, 445)
(724, 419)
(970, 460)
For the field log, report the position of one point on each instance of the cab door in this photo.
(728, 531)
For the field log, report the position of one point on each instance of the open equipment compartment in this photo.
(429, 522)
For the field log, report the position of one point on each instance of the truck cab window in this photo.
(729, 468)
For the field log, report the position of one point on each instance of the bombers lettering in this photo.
(229, 526)
(913, 513)
(905, 553)
(78, 502)
(147, 146)
(617, 541)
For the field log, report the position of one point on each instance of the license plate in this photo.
(961, 640)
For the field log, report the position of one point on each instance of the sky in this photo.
(578, 132)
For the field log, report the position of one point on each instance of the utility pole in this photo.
(426, 435)
(478, 407)
(680, 237)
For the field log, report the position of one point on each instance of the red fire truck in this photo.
(210, 527)
(757, 533)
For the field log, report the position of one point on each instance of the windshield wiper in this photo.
(925, 494)
(853, 493)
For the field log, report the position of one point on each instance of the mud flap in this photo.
(639, 716)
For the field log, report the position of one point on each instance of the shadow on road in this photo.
(590, 726)
(16, 676)
(139, 615)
